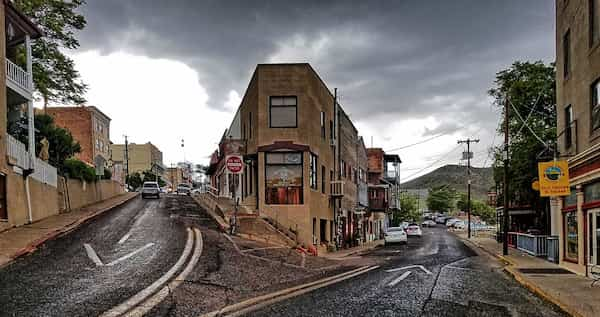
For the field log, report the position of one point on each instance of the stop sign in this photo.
(234, 164)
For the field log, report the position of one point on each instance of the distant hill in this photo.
(456, 177)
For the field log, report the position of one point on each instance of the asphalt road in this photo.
(461, 283)
(62, 280)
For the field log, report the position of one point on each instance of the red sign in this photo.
(234, 164)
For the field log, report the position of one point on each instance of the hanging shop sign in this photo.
(554, 178)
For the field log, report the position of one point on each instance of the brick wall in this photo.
(78, 120)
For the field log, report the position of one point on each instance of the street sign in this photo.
(234, 164)
(554, 178)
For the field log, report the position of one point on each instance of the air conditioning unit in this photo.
(332, 142)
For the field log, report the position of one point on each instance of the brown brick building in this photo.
(89, 126)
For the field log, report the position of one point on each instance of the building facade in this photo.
(288, 129)
(28, 185)
(142, 157)
(576, 218)
(89, 126)
(383, 190)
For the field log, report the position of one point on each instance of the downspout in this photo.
(30, 129)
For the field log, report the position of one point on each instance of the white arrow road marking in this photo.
(409, 267)
(399, 279)
(94, 256)
(125, 237)
(125, 257)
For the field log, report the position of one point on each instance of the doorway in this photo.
(323, 231)
(3, 212)
(594, 236)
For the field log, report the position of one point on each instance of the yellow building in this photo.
(142, 157)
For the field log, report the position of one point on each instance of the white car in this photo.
(451, 222)
(414, 230)
(150, 189)
(460, 225)
(428, 223)
(395, 235)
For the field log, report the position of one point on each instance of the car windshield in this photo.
(150, 185)
(393, 229)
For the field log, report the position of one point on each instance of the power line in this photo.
(528, 127)
(435, 162)
(417, 143)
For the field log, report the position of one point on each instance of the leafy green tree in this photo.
(531, 89)
(441, 199)
(134, 180)
(77, 169)
(54, 73)
(408, 210)
(483, 211)
(149, 176)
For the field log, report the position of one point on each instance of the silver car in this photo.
(150, 189)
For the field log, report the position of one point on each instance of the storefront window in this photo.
(592, 192)
(283, 174)
(571, 200)
(571, 247)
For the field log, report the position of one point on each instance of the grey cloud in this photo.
(386, 57)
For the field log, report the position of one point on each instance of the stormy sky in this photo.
(406, 71)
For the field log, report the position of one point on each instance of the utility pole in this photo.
(468, 141)
(505, 190)
(126, 162)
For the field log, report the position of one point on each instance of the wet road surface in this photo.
(135, 244)
(459, 283)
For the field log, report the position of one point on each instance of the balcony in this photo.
(18, 156)
(378, 204)
(18, 79)
(337, 188)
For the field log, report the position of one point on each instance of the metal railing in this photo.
(17, 75)
(18, 151)
(212, 191)
(535, 245)
(45, 173)
(337, 188)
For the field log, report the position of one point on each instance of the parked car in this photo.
(450, 222)
(413, 230)
(150, 189)
(460, 225)
(428, 223)
(441, 219)
(395, 235)
(183, 189)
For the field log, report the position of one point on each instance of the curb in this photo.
(33, 246)
(259, 302)
(509, 270)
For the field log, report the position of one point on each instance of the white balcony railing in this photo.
(17, 75)
(337, 188)
(45, 173)
(17, 152)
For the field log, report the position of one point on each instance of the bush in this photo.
(76, 169)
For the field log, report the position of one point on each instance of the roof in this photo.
(392, 157)
(79, 107)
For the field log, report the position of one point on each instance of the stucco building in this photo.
(89, 126)
(303, 157)
(142, 157)
(576, 218)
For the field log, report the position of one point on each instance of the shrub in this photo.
(76, 169)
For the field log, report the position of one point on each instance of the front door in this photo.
(594, 236)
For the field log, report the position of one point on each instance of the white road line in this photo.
(127, 256)
(124, 238)
(145, 293)
(92, 254)
(399, 279)
(410, 267)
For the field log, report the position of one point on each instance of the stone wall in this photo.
(78, 193)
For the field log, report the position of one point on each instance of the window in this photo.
(596, 105)
(331, 130)
(566, 53)
(283, 112)
(244, 131)
(323, 125)
(571, 236)
(283, 177)
(323, 179)
(594, 22)
(568, 121)
(313, 171)
(250, 125)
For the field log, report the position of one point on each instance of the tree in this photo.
(134, 180)
(483, 211)
(408, 210)
(149, 176)
(54, 74)
(61, 143)
(441, 199)
(530, 88)
(77, 169)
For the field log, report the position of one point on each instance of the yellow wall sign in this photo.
(554, 178)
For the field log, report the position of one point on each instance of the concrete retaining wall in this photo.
(74, 193)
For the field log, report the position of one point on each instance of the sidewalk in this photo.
(25, 239)
(571, 292)
(341, 254)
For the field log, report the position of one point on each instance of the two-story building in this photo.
(576, 218)
(28, 185)
(383, 190)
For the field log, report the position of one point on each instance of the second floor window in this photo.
(595, 105)
(323, 179)
(594, 22)
(568, 121)
(313, 171)
(283, 112)
(323, 125)
(566, 54)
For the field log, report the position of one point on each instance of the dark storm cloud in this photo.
(408, 59)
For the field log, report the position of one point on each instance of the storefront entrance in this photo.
(594, 236)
